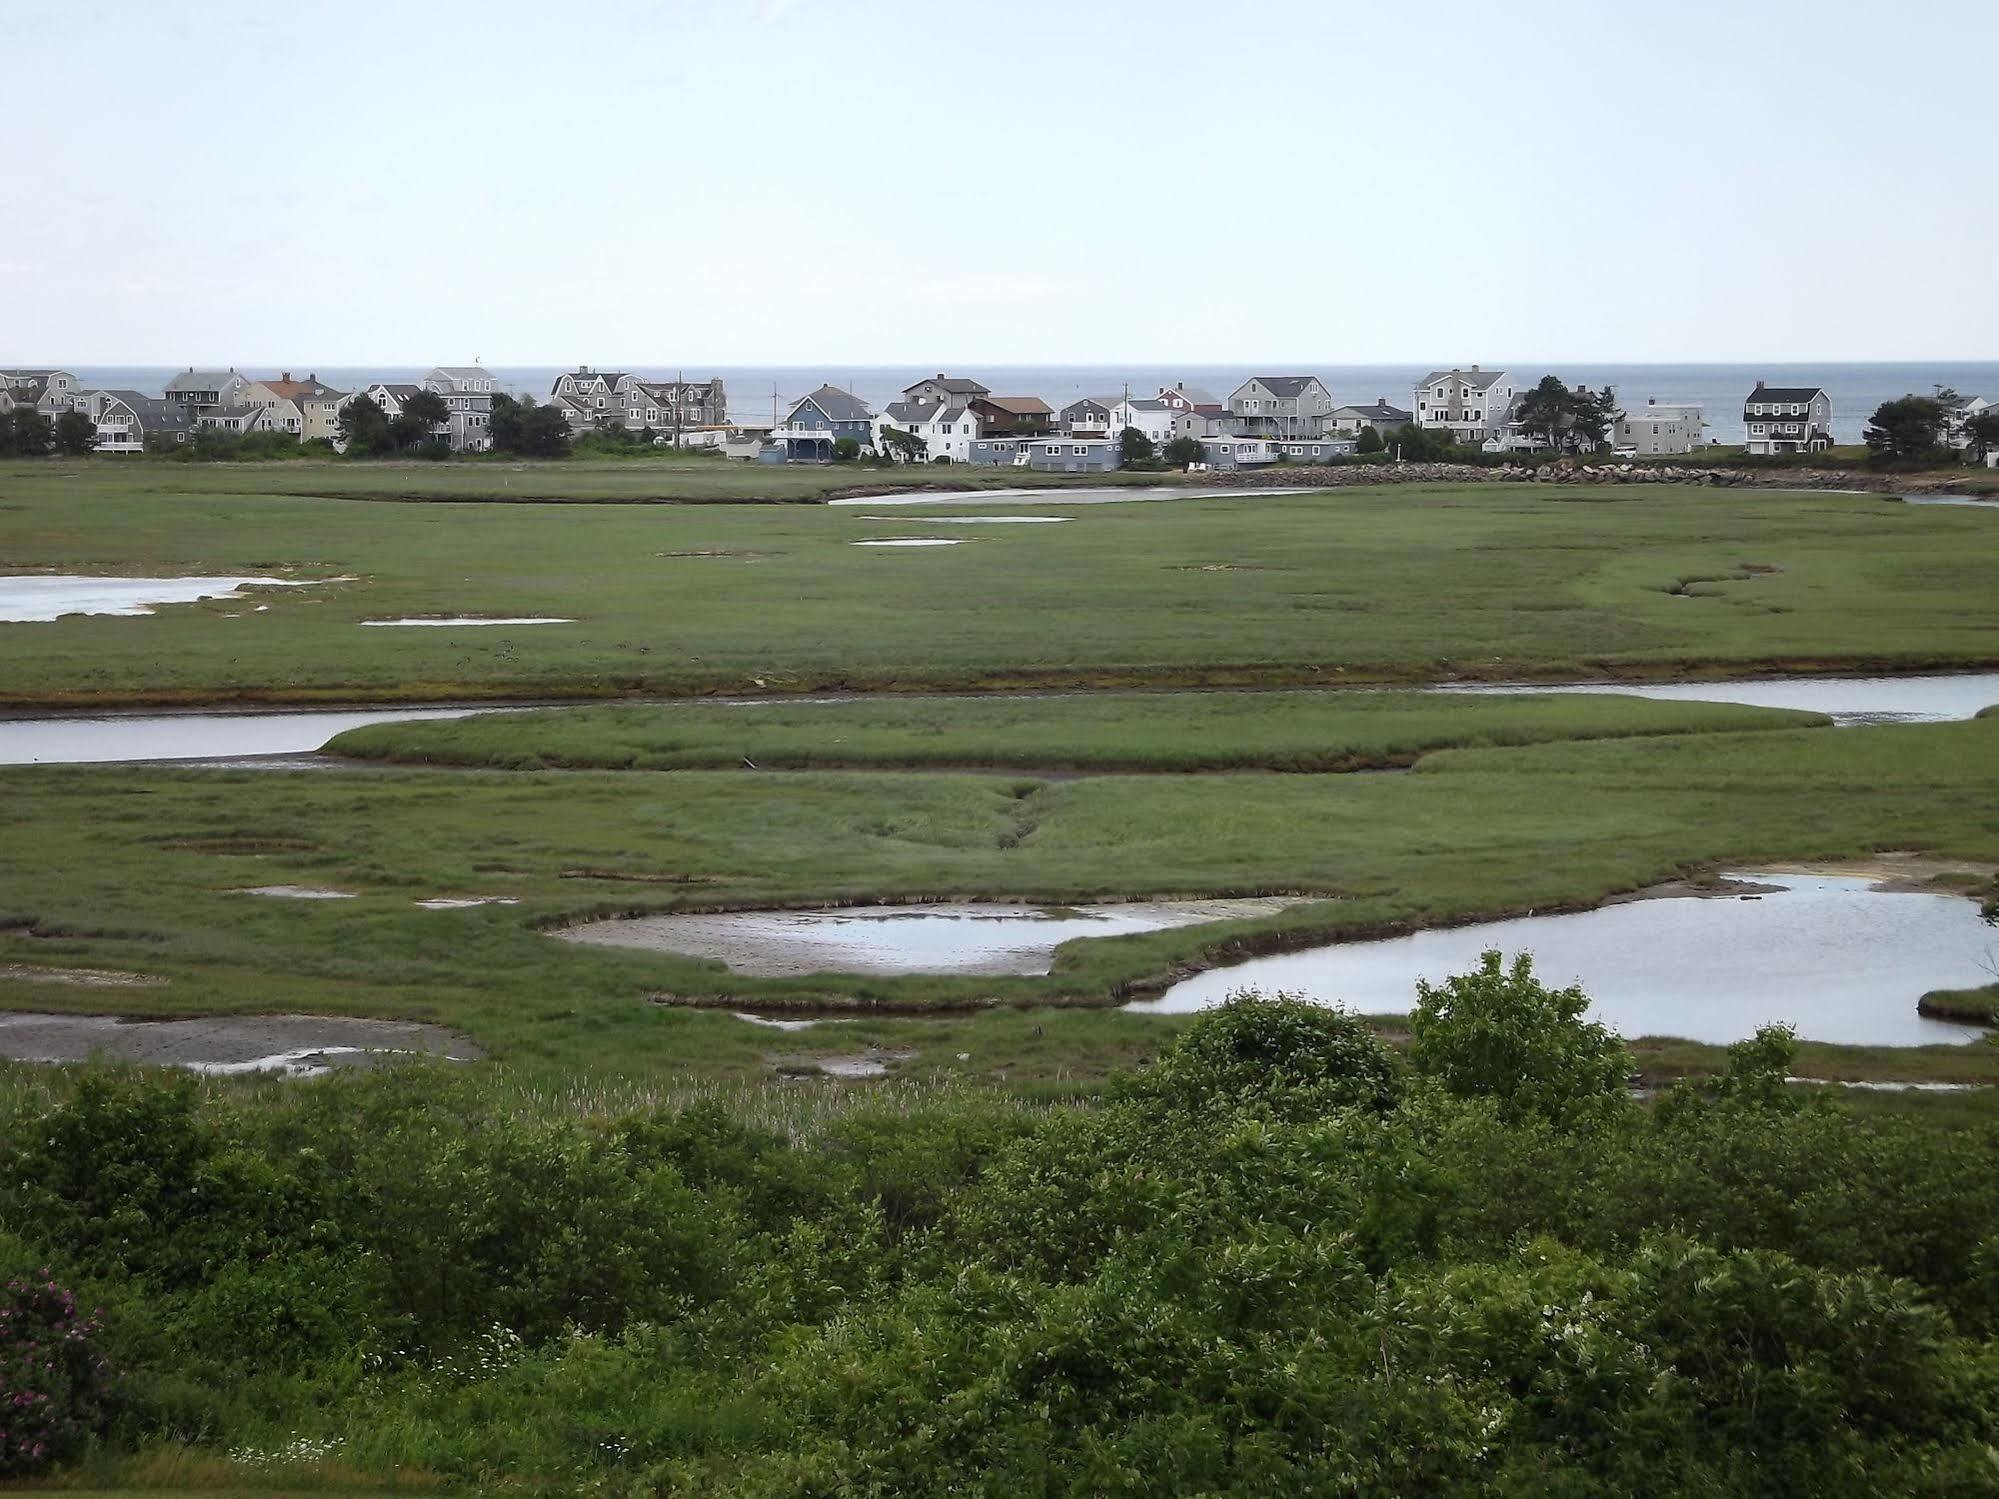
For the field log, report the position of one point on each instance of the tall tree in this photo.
(1908, 430)
(33, 434)
(1981, 433)
(1369, 440)
(75, 434)
(1546, 411)
(1133, 446)
(427, 407)
(363, 427)
(1592, 416)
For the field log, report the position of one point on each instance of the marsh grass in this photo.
(1406, 583)
(1187, 732)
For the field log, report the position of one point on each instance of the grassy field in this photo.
(1188, 731)
(135, 869)
(1399, 584)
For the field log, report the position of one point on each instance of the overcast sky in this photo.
(662, 182)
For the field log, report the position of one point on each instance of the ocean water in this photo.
(755, 391)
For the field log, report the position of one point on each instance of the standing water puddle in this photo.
(1838, 958)
(41, 597)
(1107, 494)
(910, 541)
(973, 938)
(1849, 701)
(78, 739)
(455, 621)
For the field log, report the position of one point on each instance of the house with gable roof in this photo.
(125, 419)
(944, 388)
(1787, 419)
(306, 408)
(1473, 405)
(51, 392)
(1281, 406)
(201, 390)
(468, 392)
(818, 420)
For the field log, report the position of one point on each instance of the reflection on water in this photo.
(1847, 700)
(103, 738)
(41, 597)
(1836, 958)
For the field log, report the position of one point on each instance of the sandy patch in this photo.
(80, 978)
(466, 902)
(288, 1045)
(874, 1062)
(1896, 873)
(295, 892)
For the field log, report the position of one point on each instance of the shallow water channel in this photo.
(78, 739)
(1835, 957)
(1848, 701)
(1109, 494)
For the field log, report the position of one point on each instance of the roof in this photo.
(1102, 403)
(955, 385)
(1022, 405)
(299, 390)
(911, 411)
(152, 411)
(1477, 379)
(839, 405)
(1146, 405)
(400, 392)
(1285, 385)
(462, 372)
(1189, 393)
(202, 379)
(1379, 411)
(1788, 395)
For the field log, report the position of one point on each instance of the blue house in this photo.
(820, 420)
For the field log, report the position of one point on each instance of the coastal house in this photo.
(1381, 416)
(591, 392)
(1787, 419)
(125, 419)
(390, 396)
(817, 421)
(1314, 449)
(1088, 417)
(1227, 452)
(1669, 427)
(201, 389)
(1205, 419)
(468, 393)
(1281, 405)
(1013, 416)
(1473, 405)
(1072, 455)
(946, 428)
(51, 392)
(999, 452)
(944, 388)
(1181, 396)
(669, 406)
(306, 408)
(1153, 418)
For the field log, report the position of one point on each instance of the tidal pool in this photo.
(283, 1045)
(456, 620)
(910, 541)
(1108, 494)
(41, 597)
(972, 938)
(1838, 958)
(104, 738)
(1983, 502)
(1848, 701)
(984, 520)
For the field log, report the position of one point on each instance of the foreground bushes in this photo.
(1281, 1259)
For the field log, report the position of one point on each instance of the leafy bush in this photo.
(53, 1379)
(1500, 1033)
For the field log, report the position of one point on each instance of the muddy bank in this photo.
(981, 938)
(286, 1045)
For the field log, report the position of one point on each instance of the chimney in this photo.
(1474, 369)
(286, 377)
(1759, 384)
(1651, 400)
